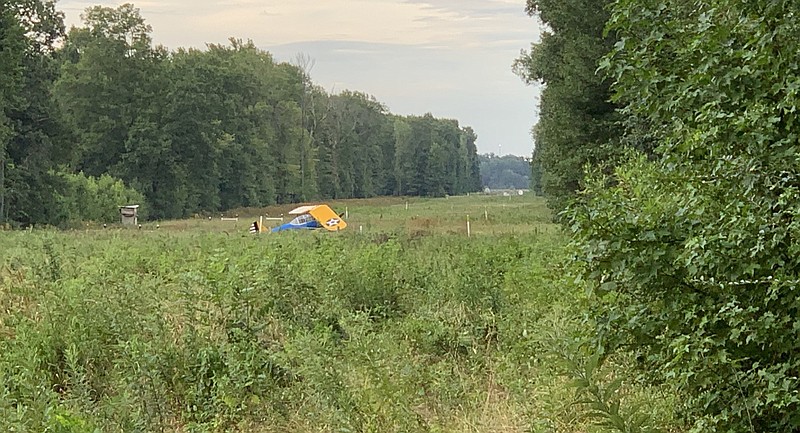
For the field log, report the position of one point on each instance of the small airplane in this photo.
(308, 217)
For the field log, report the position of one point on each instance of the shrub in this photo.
(699, 281)
(96, 199)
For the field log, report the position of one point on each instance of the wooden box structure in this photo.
(129, 214)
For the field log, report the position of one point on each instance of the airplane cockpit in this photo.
(302, 219)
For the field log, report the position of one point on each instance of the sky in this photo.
(451, 58)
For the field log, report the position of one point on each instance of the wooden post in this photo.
(406, 205)
(486, 214)
(346, 213)
(468, 230)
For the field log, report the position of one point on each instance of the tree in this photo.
(12, 48)
(471, 163)
(109, 80)
(577, 122)
(536, 173)
(112, 90)
(353, 139)
(435, 157)
(32, 137)
(693, 255)
(506, 172)
(312, 113)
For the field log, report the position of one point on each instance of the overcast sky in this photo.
(451, 58)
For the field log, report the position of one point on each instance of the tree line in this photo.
(669, 142)
(188, 131)
(506, 172)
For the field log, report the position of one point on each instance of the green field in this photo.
(488, 215)
(401, 323)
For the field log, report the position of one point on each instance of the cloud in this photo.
(473, 8)
(454, 22)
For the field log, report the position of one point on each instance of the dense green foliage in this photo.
(578, 125)
(32, 137)
(505, 172)
(90, 199)
(694, 256)
(196, 130)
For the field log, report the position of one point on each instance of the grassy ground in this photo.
(191, 326)
(488, 215)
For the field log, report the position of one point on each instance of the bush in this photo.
(699, 281)
(95, 199)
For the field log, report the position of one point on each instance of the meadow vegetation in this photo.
(408, 325)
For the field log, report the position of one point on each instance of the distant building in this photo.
(129, 214)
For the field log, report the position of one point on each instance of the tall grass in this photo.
(193, 331)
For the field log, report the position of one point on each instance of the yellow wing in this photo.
(327, 218)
